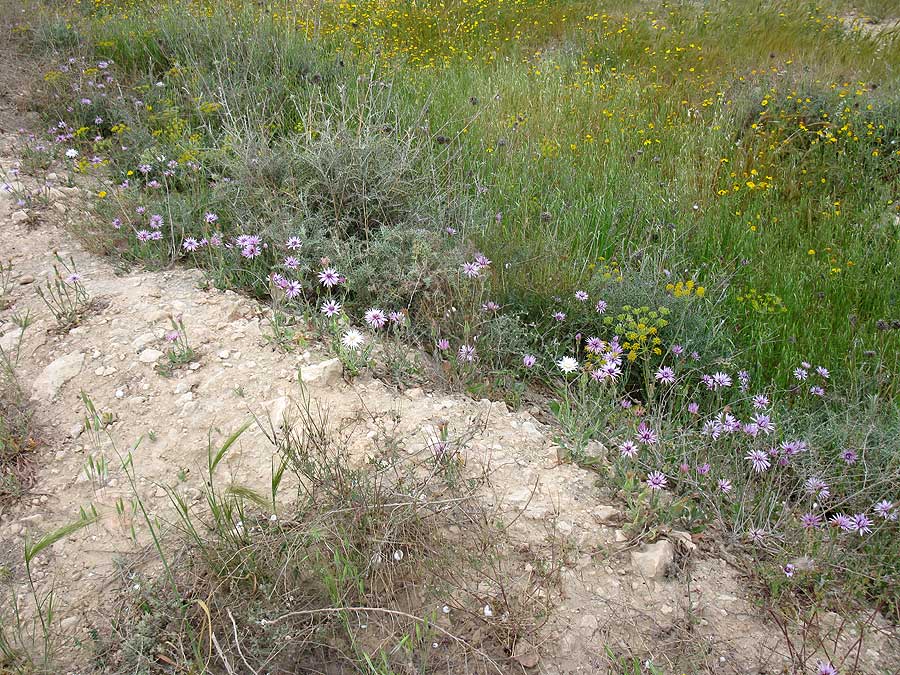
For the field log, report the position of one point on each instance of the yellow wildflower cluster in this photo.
(639, 328)
(761, 303)
(686, 289)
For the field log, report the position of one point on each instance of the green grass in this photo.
(728, 140)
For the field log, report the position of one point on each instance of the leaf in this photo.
(33, 548)
(226, 446)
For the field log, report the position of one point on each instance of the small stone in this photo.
(606, 514)
(150, 355)
(652, 560)
(18, 217)
(56, 374)
(26, 279)
(223, 354)
(195, 365)
(326, 372)
(76, 430)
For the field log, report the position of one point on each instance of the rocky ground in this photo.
(652, 599)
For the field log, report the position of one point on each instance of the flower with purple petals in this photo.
(724, 485)
(816, 390)
(646, 435)
(823, 372)
(721, 380)
(490, 306)
(443, 344)
(817, 488)
(595, 345)
(291, 262)
(764, 423)
(629, 449)
(397, 317)
(559, 316)
(825, 668)
(142, 235)
(331, 308)
(665, 375)
(862, 524)
(656, 480)
(789, 570)
(528, 361)
(760, 402)
(482, 260)
(756, 535)
(466, 354)
(849, 456)
(693, 408)
(210, 217)
(471, 269)
(677, 350)
(293, 289)
(843, 521)
(190, 244)
(73, 278)
(581, 296)
(759, 460)
(600, 307)
(810, 521)
(801, 374)
(294, 243)
(884, 509)
(375, 317)
(329, 277)
(703, 469)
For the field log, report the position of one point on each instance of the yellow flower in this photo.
(101, 194)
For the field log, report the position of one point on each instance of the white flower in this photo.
(71, 153)
(352, 339)
(567, 364)
(398, 555)
(488, 611)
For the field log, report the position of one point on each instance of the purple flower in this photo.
(559, 316)
(810, 521)
(466, 354)
(482, 260)
(656, 480)
(693, 407)
(190, 244)
(629, 449)
(490, 306)
(759, 460)
(823, 372)
(744, 378)
(601, 306)
(143, 235)
(791, 448)
(695, 356)
(806, 365)
(817, 488)
(450, 230)
(646, 435)
(764, 423)
(397, 318)
(293, 289)
(171, 336)
(528, 361)
(703, 469)
(581, 296)
(789, 570)
(677, 350)
(471, 269)
(73, 278)
(825, 668)
(884, 509)
(801, 374)
(331, 308)
(849, 456)
(156, 235)
(862, 524)
(443, 344)
(816, 390)
(210, 217)
(665, 375)
(843, 521)
(294, 243)
(117, 223)
(756, 535)
(721, 380)
(375, 317)
(291, 262)
(594, 345)
(724, 485)
(329, 277)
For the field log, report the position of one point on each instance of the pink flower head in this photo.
(665, 375)
(466, 354)
(601, 306)
(656, 480)
(759, 460)
(646, 435)
(724, 485)
(329, 277)
(331, 308)
(629, 449)
(471, 269)
(375, 317)
(528, 361)
(443, 344)
(581, 296)
(294, 243)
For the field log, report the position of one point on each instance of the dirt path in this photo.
(609, 597)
